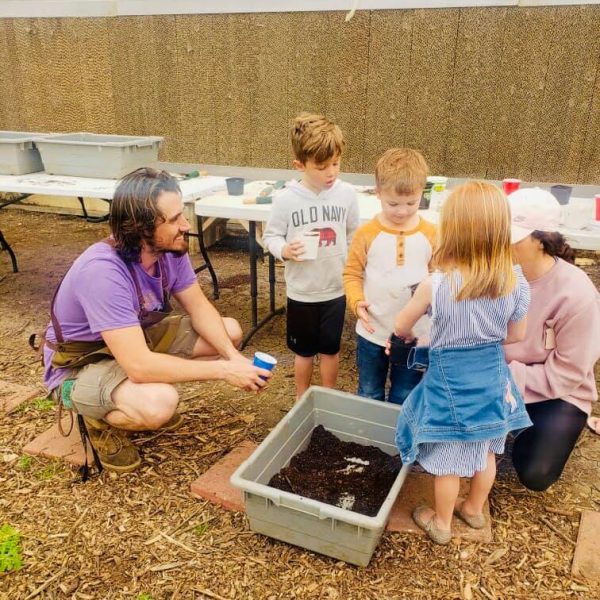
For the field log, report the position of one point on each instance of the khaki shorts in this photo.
(94, 384)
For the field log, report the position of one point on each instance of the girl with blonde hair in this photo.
(456, 420)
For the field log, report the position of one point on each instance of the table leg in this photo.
(87, 217)
(207, 264)
(253, 272)
(4, 203)
(4, 245)
(82, 202)
(272, 282)
(253, 251)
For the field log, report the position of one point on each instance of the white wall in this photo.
(108, 8)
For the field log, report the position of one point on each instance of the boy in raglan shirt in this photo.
(388, 257)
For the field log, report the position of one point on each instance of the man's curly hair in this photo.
(134, 213)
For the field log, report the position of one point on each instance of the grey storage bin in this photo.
(18, 153)
(96, 155)
(323, 528)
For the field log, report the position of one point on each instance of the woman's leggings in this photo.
(540, 452)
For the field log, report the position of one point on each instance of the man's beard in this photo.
(180, 250)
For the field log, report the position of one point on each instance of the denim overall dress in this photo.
(467, 402)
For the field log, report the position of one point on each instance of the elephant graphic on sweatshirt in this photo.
(327, 236)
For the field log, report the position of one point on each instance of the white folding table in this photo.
(103, 189)
(221, 205)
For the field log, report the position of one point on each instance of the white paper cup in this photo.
(311, 245)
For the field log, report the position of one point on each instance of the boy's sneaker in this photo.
(115, 450)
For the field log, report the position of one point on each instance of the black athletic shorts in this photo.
(315, 327)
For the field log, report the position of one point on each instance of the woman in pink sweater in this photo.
(554, 365)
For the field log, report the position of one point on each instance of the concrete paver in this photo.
(14, 394)
(52, 444)
(214, 484)
(586, 561)
(417, 490)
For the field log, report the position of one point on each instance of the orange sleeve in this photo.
(356, 263)
(429, 230)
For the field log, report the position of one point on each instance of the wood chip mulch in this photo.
(142, 536)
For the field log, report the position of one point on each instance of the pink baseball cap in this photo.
(533, 209)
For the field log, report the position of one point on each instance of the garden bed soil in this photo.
(344, 474)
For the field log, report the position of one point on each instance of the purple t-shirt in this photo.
(98, 294)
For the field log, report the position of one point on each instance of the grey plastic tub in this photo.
(18, 153)
(95, 155)
(323, 528)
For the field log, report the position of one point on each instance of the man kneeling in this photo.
(112, 349)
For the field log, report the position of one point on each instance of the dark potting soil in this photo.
(343, 474)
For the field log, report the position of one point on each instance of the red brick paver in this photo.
(417, 489)
(214, 484)
(52, 444)
(13, 394)
(586, 561)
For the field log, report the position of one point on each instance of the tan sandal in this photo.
(437, 535)
(474, 521)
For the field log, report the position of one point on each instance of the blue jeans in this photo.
(373, 367)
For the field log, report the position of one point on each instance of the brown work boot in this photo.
(115, 450)
(175, 422)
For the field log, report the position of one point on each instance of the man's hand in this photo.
(362, 312)
(293, 251)
(241, 373)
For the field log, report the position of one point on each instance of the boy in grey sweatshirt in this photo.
(323, 205)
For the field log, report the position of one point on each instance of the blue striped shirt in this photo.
(458, 458)
(474, 321)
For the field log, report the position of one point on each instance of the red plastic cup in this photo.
(597, 198)
(511, 185)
